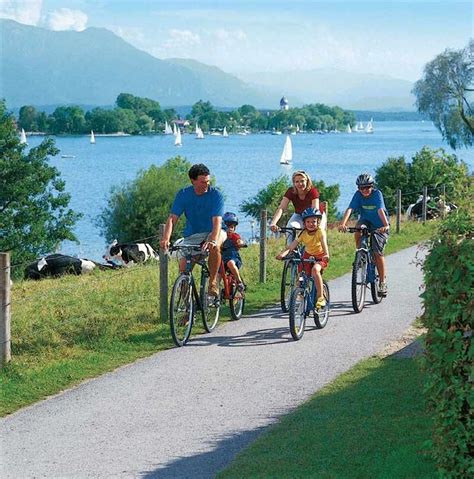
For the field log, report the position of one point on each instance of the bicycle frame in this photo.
(366, 246)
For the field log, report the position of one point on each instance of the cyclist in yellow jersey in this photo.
(313, 237)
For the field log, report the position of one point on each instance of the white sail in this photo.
(177, 141)
(168, 130)
(348, 129)
(199, 133)
(370, 126)
(92, 140)
(287, 153)
(23, 137)
(175, 130)
(224, 133)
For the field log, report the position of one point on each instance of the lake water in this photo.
(242, 165)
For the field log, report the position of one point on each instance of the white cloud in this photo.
(182, 38)
(230, 36)
(65, 19)
(22, 11)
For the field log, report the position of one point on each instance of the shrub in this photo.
(431, 168)
(135, 210)
(449, 304)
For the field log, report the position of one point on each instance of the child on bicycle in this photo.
(369, 203)
(231, 246)
(313, 237)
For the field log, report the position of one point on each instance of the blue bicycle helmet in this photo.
(311, 213)
(230, 218)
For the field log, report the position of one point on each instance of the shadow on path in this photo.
(205, 465)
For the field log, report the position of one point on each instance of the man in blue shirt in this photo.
(370, 205)
(203, 207)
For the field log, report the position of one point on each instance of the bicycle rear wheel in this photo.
(359, 281)
(236, 303)
(181, 310)
(288, 280)
(297, 310)
(321, 316)
(210, 305)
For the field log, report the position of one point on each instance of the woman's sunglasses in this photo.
(364, 188)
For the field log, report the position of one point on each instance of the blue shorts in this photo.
(232, 255)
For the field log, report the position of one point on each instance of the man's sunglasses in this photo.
(364, 188)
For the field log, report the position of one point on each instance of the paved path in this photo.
(186, 412)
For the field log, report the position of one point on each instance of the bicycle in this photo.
(186, 300)
(290, 272)
(364, 270)
(303, 303)
(231, 292)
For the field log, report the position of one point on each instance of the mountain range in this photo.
(43, 67)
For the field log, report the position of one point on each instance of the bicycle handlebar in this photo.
(190, 247)
(292, 229)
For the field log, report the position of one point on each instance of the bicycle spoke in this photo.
(181, 310)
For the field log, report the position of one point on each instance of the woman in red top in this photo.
(302, 195)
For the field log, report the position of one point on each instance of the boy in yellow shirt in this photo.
(314, 239)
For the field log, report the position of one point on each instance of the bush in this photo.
(135, 210)
(431, 168)
(449, 304)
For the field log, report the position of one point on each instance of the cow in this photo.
(129, 253)
(54, 265)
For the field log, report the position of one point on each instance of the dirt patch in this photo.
(408, 346)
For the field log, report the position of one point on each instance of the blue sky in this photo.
(394, 38)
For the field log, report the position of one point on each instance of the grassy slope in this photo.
(369, 423)
(69, 329)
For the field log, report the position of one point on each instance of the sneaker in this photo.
(321, 303)
(383, 289)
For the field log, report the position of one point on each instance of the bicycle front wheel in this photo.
(288, 280)
(359, 281)
(210, 305)
(374, 287)
(321, 316)
(297, 312)
(181, 310)
(236, 303)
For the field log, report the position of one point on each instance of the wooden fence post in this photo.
(5, 319)
(326, 210)
(163, 279)
(444, 203)
(424, 205)
(399, 209)
(263, 246)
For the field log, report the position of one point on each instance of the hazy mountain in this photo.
(337, 87)
(41, 67)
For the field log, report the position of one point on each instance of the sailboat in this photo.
(174, 129)
(287, 153)
(177, 140)
(92, 140)
(199, 133)
(348, 128)
(370, 126)
(23, 137)
(168, 130)
(224, 133)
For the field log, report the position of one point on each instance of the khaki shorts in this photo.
(197, 239)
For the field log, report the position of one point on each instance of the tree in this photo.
(34, 214)
(445, 94)
(136, 209)
(431, 168)
(27, 118)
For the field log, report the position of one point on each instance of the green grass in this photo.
(69, 329)
(369, 423)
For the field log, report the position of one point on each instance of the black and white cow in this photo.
(129, 253)
(57, 264)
